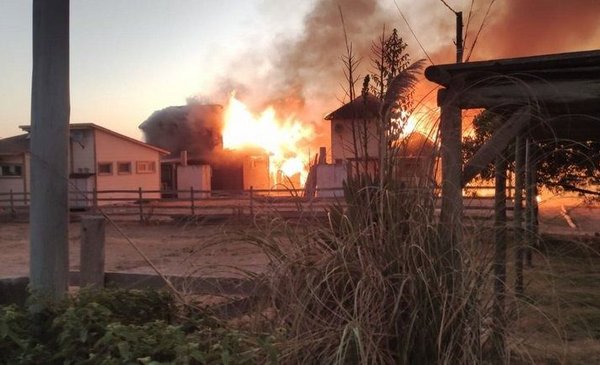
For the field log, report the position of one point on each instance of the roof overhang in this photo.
(567, 82)
(75, 126)
(563, 90)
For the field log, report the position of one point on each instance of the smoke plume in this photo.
(194, 128)
(517, 28)
(302, 74)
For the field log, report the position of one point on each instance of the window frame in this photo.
(11, 167)
(149, 169)
(105, 163)
(124, 163)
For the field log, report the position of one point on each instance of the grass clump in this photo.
(377, 284)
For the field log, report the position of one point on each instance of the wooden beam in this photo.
(530, 202)
(50, 110)
(451, 153)
(554, 95)
(500, 167)
(518, 212)
(495, 145)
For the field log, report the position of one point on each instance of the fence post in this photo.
(252, 200)
(12, 203)
(91, 258)
(141, 208)
(95, 199)
(192, 199)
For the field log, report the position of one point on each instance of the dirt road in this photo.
(174, 249)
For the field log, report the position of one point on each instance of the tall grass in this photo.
(376, 283)
(368, 288)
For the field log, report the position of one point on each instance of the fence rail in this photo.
(144, 205)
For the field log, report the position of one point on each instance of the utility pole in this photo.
(459, 37)
(451, 154)
(50, 110)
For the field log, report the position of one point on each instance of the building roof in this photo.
(359, 108)
(14, 145)
(416, 144)
(76, 126)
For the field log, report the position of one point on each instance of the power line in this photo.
(413, 33)
(480, 28)
(468, 21)
(448, 6)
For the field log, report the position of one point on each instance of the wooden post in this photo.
(500, 167)
(518, 213)
(252, 201)
(95, 199)
(50, 110)
(141, 204)
(451, 153)
(529, 202)
(534, 206)
(192, 200)
(92, 251)
(12, 203)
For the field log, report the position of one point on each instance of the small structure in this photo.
(355, 143)
(539, 99)
(354, 134)
(330, 179)
(234, 171)
(544, 97)
(99, 159)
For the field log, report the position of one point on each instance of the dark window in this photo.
(124, 168)
(105, 168)
(12, 170)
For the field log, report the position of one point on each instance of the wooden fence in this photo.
(145, 205)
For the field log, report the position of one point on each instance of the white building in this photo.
(99, 160)
(355, 144)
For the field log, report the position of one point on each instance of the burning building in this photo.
(193, 134)
(227, 148)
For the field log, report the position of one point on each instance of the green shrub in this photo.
(124, 327)
(13, 333)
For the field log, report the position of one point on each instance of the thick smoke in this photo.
(302, 75)
(533, 27)
(304, 72)
(193, 128)
(517, 28)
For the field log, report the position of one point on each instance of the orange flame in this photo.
(283, 140)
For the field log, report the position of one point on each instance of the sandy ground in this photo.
(569, 215)
(174, 248)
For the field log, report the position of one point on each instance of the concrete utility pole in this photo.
(50, 109)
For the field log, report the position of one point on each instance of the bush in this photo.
(124, 327)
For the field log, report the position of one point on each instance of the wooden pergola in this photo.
(541, 98)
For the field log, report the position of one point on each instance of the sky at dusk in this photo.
(132, 57)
